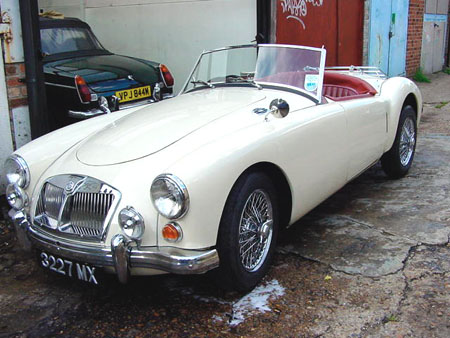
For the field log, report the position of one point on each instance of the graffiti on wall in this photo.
(298, 9)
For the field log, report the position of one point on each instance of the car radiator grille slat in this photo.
(82, 212)
(53, 199)
(89, 211)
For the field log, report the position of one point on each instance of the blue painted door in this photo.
(388, 35)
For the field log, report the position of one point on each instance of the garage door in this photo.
(335, 24)
(434, 34)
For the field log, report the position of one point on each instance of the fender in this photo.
(45, 150)
(395, 91)
(218, 175)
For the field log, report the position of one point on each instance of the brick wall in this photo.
(18, 103)
(365, 57)
(415, 29)
(17, 89)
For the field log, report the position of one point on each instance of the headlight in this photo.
(16, 197)
(17, 171)
(132, 223)
(170, 196)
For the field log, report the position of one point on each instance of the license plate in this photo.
(69, 268)
(133, 94)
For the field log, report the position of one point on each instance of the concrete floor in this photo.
(373, 260)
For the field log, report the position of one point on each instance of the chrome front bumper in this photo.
(120, 255)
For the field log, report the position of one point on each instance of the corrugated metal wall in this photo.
(335, 24)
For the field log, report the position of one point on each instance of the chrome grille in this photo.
(53, 200)
(76, 205)
(88, 212)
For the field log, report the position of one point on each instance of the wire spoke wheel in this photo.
(397, 161)
(248, 232)
(255, 230)
(407, 141)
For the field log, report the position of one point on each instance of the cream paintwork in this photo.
(42, 152)
(366, 123)
(394, 91)
(313, 147)
(164, 125)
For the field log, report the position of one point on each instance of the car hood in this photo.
(161, 124)
(99, 70)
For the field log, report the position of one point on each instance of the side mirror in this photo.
(279, 108)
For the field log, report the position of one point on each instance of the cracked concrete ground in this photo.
(371, 261)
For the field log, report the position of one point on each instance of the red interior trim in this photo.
(336, 86)
(359, 86)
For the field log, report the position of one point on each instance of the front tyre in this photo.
(397, 161)
(247, 233)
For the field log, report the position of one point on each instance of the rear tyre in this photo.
(247, 233)
(397, 161)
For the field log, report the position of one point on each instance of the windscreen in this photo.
(63, 40)
(300, 68)
(295, 67)
(224, 66)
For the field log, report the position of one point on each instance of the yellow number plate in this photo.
(133, 94)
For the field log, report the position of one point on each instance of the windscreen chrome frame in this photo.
(323, 52)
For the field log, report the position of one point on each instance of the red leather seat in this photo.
(337, 91)
(340, 87)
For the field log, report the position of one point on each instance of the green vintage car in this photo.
(84, 80)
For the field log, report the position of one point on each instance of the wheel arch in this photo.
(398, 93)
(411, 100)
(281, 184)
(231, 273)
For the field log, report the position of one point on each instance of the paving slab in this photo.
(424, 310)
(348, 245)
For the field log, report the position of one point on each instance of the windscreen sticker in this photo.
(311, 82)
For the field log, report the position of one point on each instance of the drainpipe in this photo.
(263, 21)
(37, 101)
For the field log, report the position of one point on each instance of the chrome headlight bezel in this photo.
(15, 165)
(169, 188)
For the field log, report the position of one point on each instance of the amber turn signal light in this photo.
(172, 232)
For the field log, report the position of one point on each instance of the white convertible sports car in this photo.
(259, 136)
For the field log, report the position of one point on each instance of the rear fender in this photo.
(395, 91)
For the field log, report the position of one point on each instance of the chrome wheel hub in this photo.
(407, 141)
(265, 231)
(255, 230)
